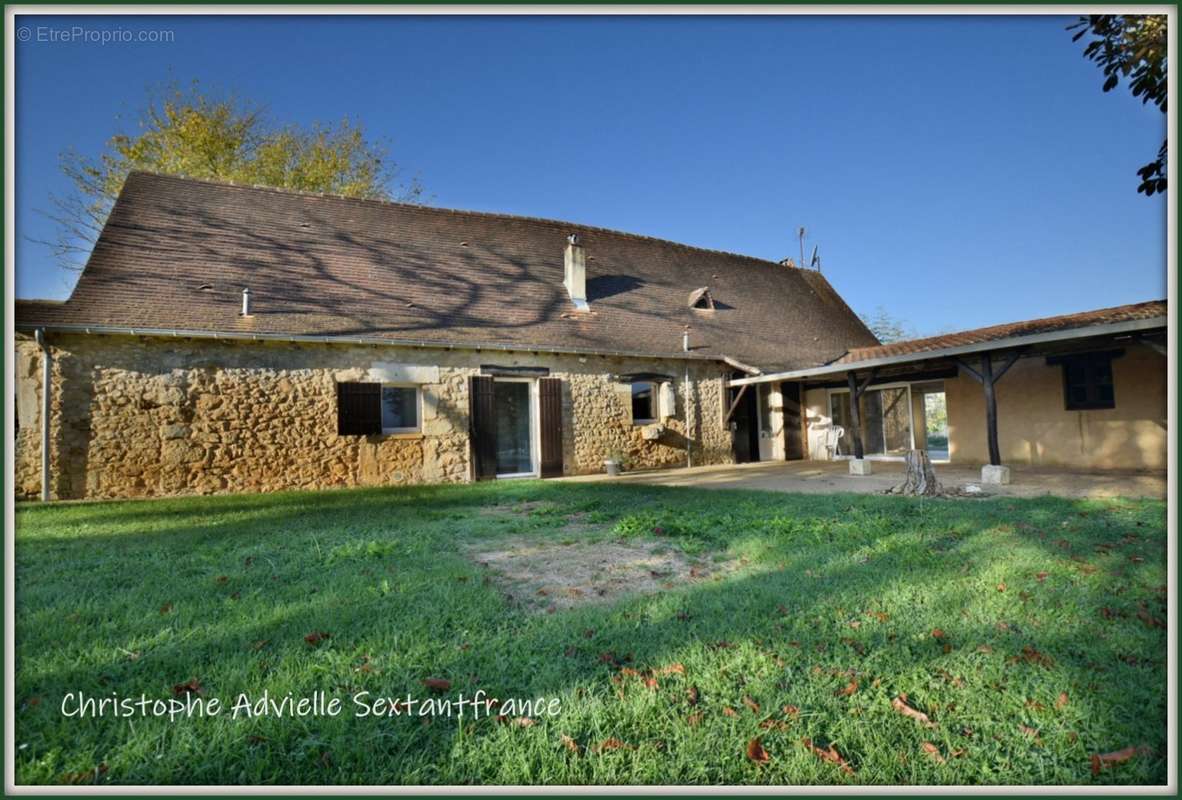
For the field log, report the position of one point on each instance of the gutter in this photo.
(119, 330)
(46, 385)
(948, 352)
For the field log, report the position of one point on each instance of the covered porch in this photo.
(830, 477)
(1081, 393)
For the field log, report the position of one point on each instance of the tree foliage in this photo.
(886, 327)
(187, 132)
(1132, 47)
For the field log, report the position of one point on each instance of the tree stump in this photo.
(921, 478)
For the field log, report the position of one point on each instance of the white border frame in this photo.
(738, 10)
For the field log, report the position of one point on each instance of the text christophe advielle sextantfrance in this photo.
(317, 704)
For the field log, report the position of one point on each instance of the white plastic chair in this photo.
(832, 437)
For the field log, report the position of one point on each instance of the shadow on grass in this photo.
(816, 566)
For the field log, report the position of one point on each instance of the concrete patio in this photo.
(821, 477)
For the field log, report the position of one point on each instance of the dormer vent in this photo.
(701, 299)
(575, 280)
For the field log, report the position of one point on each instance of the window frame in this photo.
(1090, 363)
(418, 390)
(652, 402)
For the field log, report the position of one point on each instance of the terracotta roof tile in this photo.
(1083, 319)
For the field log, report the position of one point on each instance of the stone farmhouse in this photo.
(226, 338)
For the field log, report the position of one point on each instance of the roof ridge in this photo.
(464, 212)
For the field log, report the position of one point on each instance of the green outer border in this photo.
(378, 4)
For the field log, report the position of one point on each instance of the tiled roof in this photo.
(176, 254)
(1084, 319)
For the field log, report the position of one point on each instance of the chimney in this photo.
(576, 272)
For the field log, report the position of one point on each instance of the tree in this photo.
(190, 133)
(1132, 46)
(886, 327)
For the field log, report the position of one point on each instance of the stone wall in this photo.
(139, 416)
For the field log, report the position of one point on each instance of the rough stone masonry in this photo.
(154, 416)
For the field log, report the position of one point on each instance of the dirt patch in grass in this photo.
(544, 576)
(524, 508)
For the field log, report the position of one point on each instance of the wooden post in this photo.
(990, 409)
(988, 380)
(855, 414)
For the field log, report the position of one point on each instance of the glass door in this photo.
(885, 418)
(514, 415)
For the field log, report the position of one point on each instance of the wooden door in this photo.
(793, 422)
(482, 430)
(550, 423)
(746, 427)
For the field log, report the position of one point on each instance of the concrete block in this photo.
(860, 466)
(995, 474)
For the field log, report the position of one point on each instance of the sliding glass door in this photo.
(886, 421)
(514, 419)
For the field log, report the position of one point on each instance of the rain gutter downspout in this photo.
(46, 377)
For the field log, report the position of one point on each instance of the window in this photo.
(644, 401)
(1087, 381)
(400, 409)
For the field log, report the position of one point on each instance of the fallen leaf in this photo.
(166, 608)
(1062, 701)
(756, 753)
(437, 684)
(831, 755)
(523, 722)
(1042, 576)
(728, 711)
(900, 705)
(694, 719)
(937, 633)
(260, 644)
(933, 751)
(850, 688)
(751, 704)
(1101, 760)
(222, 578)
(791, 711)
(1001, 587)
(192, 686)
(316, 637)
(256, 739)
(589, 633)
(569, 743)
(692, 693)
(611, 743)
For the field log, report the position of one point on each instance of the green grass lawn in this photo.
(1028, 631)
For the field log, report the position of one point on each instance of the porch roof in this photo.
(1117, 321)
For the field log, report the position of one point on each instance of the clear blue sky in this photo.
(957, 171)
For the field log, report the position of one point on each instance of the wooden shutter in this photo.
(482, 431)
(550, 411)
(359, 409)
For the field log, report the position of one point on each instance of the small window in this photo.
(400, 409)
(644, 401)
(1087, 382)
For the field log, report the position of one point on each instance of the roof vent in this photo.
(575, 280)
(246, 302)
(701, 299)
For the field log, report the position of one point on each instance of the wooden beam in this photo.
(1009, 362)
(1156, 347)
(972, 372)
(855, 414)
(990, 408)
(735, 404)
